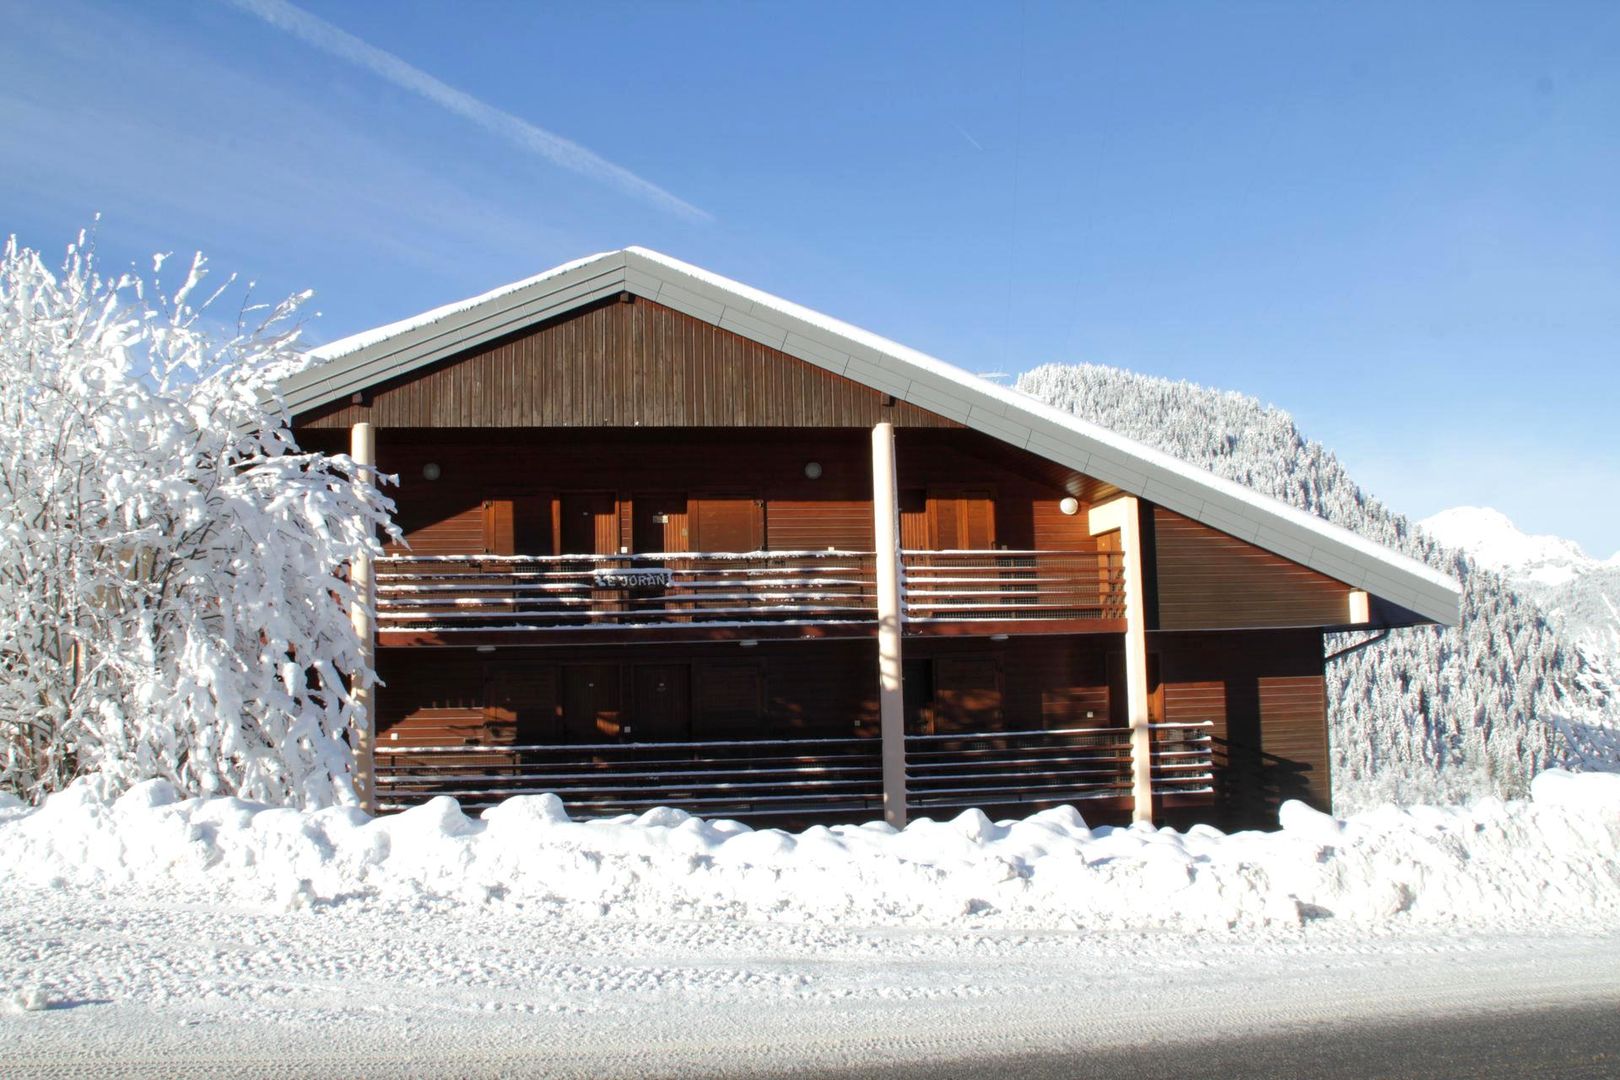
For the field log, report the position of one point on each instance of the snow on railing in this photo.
(1000, 585)
(1183, 758)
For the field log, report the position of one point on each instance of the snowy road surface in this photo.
(211, 937)
(366, 989)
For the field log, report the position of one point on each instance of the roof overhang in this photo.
(364, 360)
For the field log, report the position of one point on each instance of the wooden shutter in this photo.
(727, 523)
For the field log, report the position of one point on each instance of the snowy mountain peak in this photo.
(1491, 539)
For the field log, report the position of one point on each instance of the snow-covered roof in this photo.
(366, 359)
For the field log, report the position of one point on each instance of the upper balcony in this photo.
(717, 596)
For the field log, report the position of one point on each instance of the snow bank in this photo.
(1554, 859)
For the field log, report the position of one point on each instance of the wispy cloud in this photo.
(515, 130)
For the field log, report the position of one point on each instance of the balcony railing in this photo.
(1002, 768)
(998, 586)
(799, 779)
(1183, 758)
(442, 595)
(719, 778)
(455, 593)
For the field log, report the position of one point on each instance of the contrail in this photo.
(520, 133)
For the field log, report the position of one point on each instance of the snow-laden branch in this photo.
(173, 594)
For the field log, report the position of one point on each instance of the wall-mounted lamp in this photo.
(431, 471)
(998, 637)
(812, 469)
(1069, 505)
(748, 643)
(486, 648)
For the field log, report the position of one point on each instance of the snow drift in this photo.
(1550, 860)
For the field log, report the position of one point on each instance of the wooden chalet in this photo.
(674, 541)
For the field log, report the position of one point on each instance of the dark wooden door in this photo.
(917, 692)
(662, 703)
(517, 525)
(967, 694)
(590, 523)
(660, 523)
(591, 703)
(523, 696)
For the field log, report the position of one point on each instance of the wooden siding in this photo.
(808, 525)
(505, 493)
(623, 365)
(1264, 693)
(1208, 580)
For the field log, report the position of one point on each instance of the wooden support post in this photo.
(1123, 514)
(363, 448)
(891, 696)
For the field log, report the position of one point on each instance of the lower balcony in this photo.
(804, 780)
(717, 596)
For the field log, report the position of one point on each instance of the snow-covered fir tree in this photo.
(1429, 713)
(172, 593)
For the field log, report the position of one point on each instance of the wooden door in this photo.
(531, 525)
(917, 693)
(961, 519)
(661, 706)
(591, 703)
(967, 694)
(660, 523)
(590, 523)
(523, 697)
(730, 698)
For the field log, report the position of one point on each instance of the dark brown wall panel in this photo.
(1209, 580)
(1264, 692)
(624, 365)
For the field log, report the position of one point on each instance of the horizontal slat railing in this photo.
(1007, 767)
(738, 778)
(999, 586)
(452, 593)
(449, 594)
(1183, 758)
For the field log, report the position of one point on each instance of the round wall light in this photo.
(812, 469)
(431, 471)
(1070, 505)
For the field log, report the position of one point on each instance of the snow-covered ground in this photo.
(212, 937)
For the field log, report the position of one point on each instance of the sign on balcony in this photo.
(647, 577)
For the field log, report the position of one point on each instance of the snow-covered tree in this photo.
(173, 598)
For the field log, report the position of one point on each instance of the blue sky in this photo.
(1397, 221)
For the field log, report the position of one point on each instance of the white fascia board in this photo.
(926, 397)
(1006, 429)
(878, 377)
(740, 321)
(691, 301)
(815, 352)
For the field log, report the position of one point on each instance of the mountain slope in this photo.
(1568, 584)
(1429, 714)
